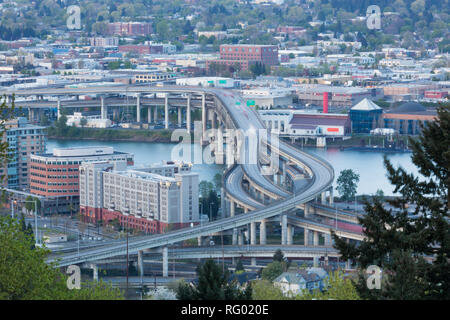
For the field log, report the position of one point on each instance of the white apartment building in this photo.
(143, 199)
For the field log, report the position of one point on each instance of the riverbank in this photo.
(362, 143)
(117, 134)
(355, 143)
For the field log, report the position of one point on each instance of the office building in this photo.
(24, 140)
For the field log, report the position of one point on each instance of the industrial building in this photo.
(246, 55)
(298, 123)
(338, 96)
(365, 116)
(149, 199)
(406, 118)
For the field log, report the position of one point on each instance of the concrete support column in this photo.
(323, 198)
(252, 233)
(232, 208)
(328, 241)
(166, 111)
(188, 114)
(262, 232)
(138, 108)
(253, 262)
(316, 261)
(306, 237)
(149, 114)
(213, 119)
(284, 229)
(199, 241)
(165, 258)
(179, 114)
(140, 263)
(290, 235)
(58, 108)
(155, 114)
(95, 272)
(103, 108)
(316, 238)
(203, 113)
(331, 198)
(240, 238)
(235, 236)
(306, 210)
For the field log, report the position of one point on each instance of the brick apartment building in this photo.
(245, 55)
(147, 199)
(130, 28)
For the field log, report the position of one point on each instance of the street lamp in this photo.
(210, 211)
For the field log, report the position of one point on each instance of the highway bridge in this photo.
(266, 196)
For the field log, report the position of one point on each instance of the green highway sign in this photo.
(250, 103)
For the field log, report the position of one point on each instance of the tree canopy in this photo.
(398, 241)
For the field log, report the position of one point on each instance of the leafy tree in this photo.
(347, 184)
(396, 241)
(273, 270)
(213, 284)
(336, 288)
(265, 290)
(25, 275)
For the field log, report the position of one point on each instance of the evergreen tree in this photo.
(398, 242)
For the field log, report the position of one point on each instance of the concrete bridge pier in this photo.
(165, 259)
(138, 108)
(290, 235)
(203, 114)
(103, 108)
(188, 114)
(328, 240)
(140, 263)
(155, 114)
(240, 238)
(253, 262)
(262, 232)
(331, 197)
(323, 197)
(284, 229)
(199, 241)
(306, 210)
(166, 111)
(316, 261)
(306, 237)
(94, 272)
(316, 238)
(252, 233)
(179, 114)
(235, 236)
(58, 108)
(149, 115)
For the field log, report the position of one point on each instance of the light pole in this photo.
(210, 211)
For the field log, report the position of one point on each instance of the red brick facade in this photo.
(93, 215)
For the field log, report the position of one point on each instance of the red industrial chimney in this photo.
(325, 102)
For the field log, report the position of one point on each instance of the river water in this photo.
(369, 165)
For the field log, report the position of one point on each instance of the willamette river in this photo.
(369, 165)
